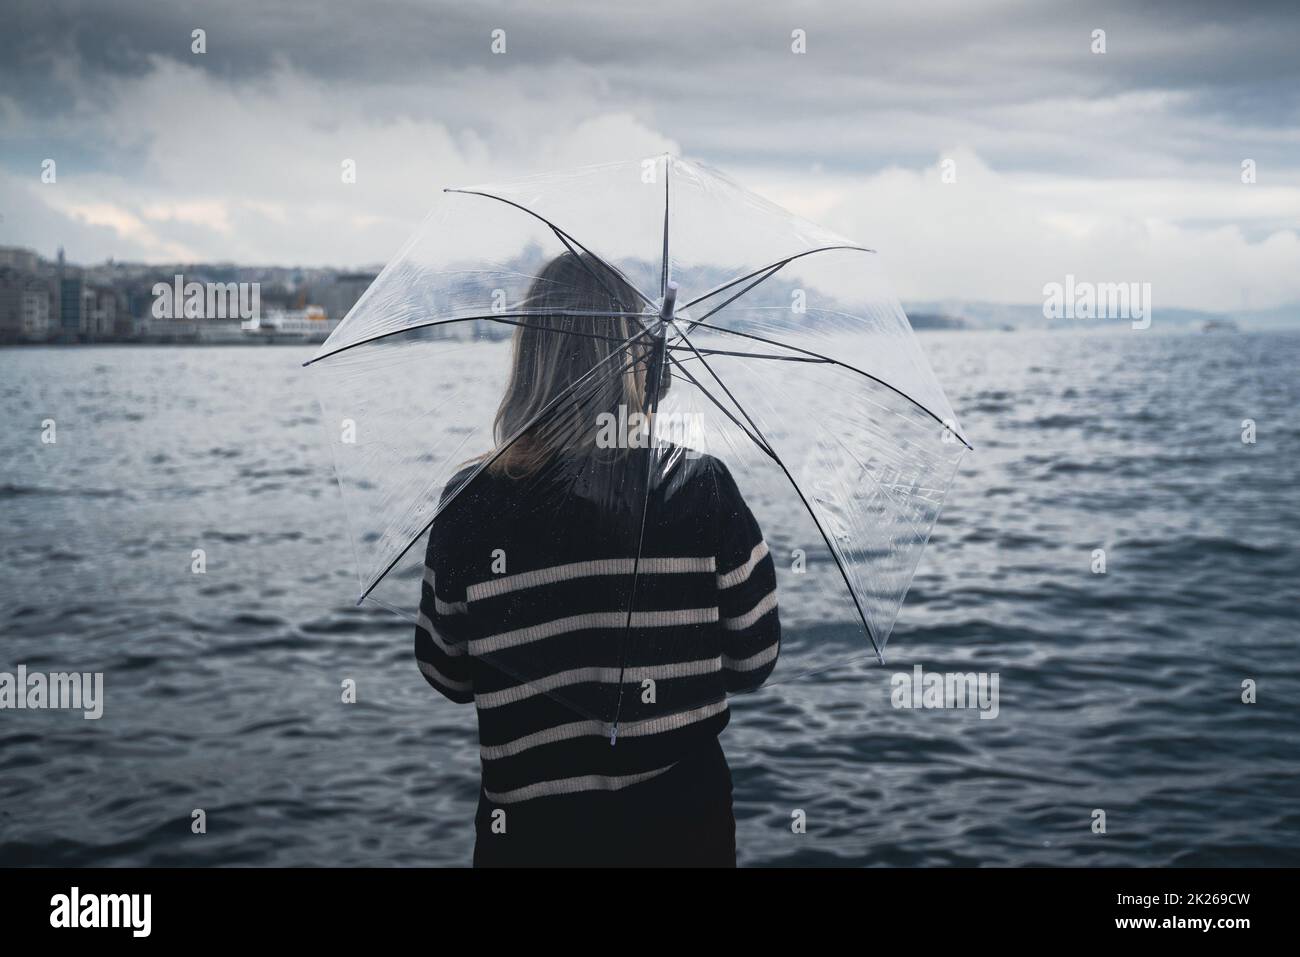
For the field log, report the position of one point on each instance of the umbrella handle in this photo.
(654, 369)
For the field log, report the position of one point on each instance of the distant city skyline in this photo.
(62, 302)
(985, 150)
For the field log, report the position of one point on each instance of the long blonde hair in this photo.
(579, 313)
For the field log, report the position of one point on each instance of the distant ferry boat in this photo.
(302, 325)
(1219, 325)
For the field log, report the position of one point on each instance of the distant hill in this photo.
(961, 314)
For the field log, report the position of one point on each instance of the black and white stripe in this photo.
(540, 649)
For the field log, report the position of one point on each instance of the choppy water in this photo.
(1118, 691)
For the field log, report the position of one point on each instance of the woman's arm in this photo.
(751, 626)
(441, 634)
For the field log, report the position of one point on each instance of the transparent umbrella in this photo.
(689, 322)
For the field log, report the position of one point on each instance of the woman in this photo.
(576, 578)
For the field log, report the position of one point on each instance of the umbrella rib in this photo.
(591, 272)
(722, 408)
(495, 317)
(837, 362)
(763, 278)
(767, 273)
(556, 229)
(773, 265)
(500, 450)
(802, 498)
(755, 355)
(581, 262)
(885, 488)
(575, 332)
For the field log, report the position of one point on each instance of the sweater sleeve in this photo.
(442, 630)
(751, 627)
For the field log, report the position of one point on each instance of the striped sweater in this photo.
(524, 611)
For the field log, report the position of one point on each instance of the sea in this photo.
(1148, 710)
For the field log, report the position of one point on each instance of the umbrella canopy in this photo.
(688, 322)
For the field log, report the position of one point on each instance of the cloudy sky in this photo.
(1122, 166)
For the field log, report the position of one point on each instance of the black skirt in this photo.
(682, 818)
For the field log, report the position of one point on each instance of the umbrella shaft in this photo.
(655, 371)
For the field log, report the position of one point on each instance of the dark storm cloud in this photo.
(731, 61)
(1105, 164)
